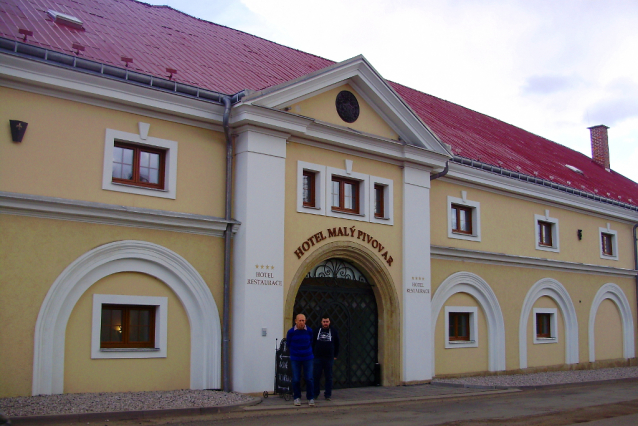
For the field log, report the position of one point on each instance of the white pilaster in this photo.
(258, 257)
(417, 340)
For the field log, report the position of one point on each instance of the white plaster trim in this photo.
(108, 214)
(364, 194)
(552, 326)
(388, 199)
(614, 243)
(615, 294)
(476, 218)
(465, 255)
(555, 234)
(551, 288)
(127, 256)
(170, 169)
(320, 188)
(161, 326)
(482, 179)
(473, 324)
(477, 287)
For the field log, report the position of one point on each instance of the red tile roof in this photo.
(219, 58)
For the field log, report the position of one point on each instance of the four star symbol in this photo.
(265, 266)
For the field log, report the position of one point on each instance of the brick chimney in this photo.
(600, 145)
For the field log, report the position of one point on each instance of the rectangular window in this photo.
(308, 189)
(138, 165)
(461, 219)
(459, 326)
(545, 233)
(379, 201)
(543, 325)
(127, 326)
(345, 195)
(607, 243)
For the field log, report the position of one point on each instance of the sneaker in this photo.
(327, 398)
(297, 402)
(311, 402)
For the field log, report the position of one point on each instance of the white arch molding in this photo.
(477, 287)
(127, 256)
(555, 290)
(615, 294)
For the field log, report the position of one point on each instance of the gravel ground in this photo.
(72, 403)
(549, 378)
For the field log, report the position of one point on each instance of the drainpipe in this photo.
(227, 235)
(443, 173)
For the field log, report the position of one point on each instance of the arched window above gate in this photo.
(337, 268)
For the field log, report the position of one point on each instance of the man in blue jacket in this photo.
(300, 343)
(325, 344)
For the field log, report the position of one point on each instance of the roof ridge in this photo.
(229, 28)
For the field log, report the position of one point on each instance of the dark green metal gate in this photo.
(337, 288)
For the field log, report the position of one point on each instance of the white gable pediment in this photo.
(367, 83)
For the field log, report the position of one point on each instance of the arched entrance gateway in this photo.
(347, 281)
(338, 289)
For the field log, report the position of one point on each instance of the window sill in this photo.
(348, 213)
(541, 340)
(311, 207)
(139, 187)
(381, 218)
(461, 342)
(129, 349)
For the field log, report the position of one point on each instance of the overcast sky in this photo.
(552, 67)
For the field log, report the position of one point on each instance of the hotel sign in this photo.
(344, 231)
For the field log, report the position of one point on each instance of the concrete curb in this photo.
(576, 384)
(375, 401)
(131, 415)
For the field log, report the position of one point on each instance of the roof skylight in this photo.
(574, 169)
(63, 18)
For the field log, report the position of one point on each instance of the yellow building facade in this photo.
(341, 197)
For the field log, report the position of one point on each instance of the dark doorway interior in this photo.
(337, 288)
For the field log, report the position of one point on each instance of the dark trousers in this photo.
(297, 366)
(323, 365)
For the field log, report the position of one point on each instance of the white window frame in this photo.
(170, 167)
(476, 218)
(161, 327)
(364, 194)
(388, 199)
(555, 232)
(552, 324)
(614, 242)
(320, 188)
(473, 324)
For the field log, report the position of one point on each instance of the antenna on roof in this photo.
(78, 47)
(25, 33)
(171, 71)
(126, 60)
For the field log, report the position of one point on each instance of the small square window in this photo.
(345, 195)
(608, 243)
(461, 219)
(127, 326)
(464, 218)
(545, 330)
(461, 325)
(543, 325)
(546, 230)
(138, 165)
(545, 233)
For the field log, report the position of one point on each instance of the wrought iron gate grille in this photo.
(338, 289)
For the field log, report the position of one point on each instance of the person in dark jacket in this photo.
(300, 343)
(325, 345)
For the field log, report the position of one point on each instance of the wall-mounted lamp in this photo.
(17, 129)
(580, 234)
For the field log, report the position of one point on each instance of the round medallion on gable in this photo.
(347, 106)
